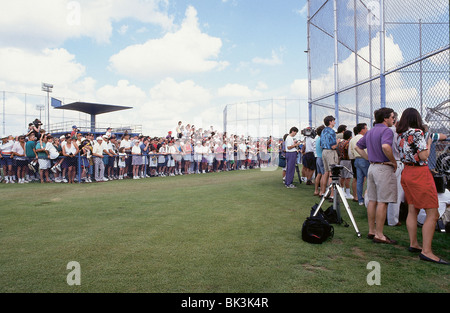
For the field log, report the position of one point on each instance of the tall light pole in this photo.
(48, 89)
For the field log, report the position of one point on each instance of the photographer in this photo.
(319, 163)
(34, 128)
(344, 160)
(309, 159)
(329, 155)
(291, 157)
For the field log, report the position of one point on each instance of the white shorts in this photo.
(44, 164)
(153, 161)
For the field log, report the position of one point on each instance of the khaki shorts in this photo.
(347, 171)
(329, 157)
(381, 183)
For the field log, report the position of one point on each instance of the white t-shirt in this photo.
(7, 147)
(125, 143)
(198, 149)
(136, 150)
(162, 158)
(172, 150)
(290, 142)
(310, 145)
(52, 150)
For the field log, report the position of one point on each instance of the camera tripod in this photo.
(337, 191)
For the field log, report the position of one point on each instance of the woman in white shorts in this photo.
(178, 157)
(187, 155)
(198, 154)
(171, 151)
(43, 160)
(136, 159)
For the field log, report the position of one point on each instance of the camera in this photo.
(37, 123)
(336, 170)
(309, 132)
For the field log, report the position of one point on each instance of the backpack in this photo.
(316, 229)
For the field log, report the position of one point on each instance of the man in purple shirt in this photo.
(381, 179)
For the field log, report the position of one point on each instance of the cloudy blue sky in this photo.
(169, 59)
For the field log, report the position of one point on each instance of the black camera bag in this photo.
(316, 229)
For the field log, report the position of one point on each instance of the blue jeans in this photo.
(362, 166)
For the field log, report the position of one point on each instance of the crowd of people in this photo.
(391, 158)
(85, 157)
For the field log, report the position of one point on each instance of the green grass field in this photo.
(232, 232)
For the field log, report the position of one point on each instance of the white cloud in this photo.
(161, 107)
(303, 11)
(187, 50)
(44, 23)
(299, 88)
(394, 57)
(440, 89)
(238, 91)
(182, 97)
(55, 66)
(122, 94)
(262, 86)
(276, 58)
(123, 29)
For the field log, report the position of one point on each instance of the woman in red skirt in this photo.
(418, 183)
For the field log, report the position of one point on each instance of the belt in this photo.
(412, 164)
(383, 163)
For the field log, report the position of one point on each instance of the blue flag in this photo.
(56, 103)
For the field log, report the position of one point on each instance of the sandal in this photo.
(387, 240)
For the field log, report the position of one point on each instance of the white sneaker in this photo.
(105, 179)
(65, 180)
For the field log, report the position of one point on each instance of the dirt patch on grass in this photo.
(358, 252)
(313, 268)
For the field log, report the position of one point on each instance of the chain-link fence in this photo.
(265, 118)
(364, 55)
(17, 110)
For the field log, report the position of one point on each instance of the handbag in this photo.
(440, 183)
